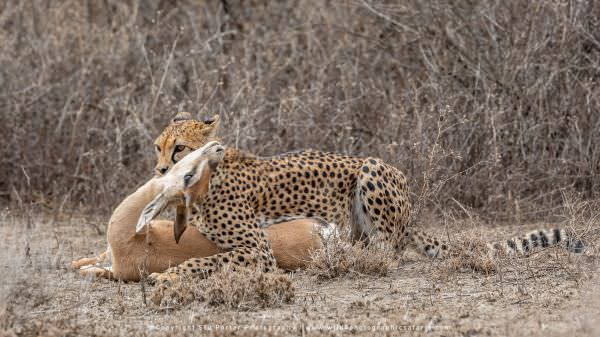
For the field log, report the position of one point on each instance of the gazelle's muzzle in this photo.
(186, 183)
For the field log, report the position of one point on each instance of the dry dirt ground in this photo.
(549, 294)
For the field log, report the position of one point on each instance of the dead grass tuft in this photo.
(243, 289)
(340, 258)
(470, 253)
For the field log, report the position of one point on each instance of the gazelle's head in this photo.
(186, 182)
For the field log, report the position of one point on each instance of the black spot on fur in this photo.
(525, 245)
(534, 239)
(543, 239)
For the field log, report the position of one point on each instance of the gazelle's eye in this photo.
(179, 148)
(187, 178)
(157, 148)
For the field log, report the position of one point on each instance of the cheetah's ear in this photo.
(212, 124)
(182, 116)
(211, 120)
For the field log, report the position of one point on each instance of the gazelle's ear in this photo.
(182, 116)
(151, 211)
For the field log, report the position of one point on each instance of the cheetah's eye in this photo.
(157, 148)
(179, 148)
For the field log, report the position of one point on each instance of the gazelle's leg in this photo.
(77, 264)
(96, 272)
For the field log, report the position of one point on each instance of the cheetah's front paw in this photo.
(166, 277)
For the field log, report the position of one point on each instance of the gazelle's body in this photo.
(155, 249)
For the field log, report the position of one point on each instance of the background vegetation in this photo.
(492, 105)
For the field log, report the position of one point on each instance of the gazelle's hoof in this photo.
(77, 264)
(95, 271)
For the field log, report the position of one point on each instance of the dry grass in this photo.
(85, 86)
(341, 258)
(242, 290)
(39, 296)
(470, 253)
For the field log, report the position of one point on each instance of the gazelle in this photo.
(161, 244)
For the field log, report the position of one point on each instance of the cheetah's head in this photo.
(182, 136)
(186, 182)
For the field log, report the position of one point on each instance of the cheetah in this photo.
(241, 193)
(129, 254)
(247, 193)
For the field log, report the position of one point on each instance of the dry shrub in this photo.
(244, 289)
(340, 258)
(581, 217)
(86, 85)
(469, 253)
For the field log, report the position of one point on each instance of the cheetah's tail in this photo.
(427, 244)
(533, 241)
(536, 240)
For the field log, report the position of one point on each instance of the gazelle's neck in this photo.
(121, 226)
